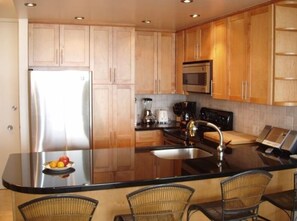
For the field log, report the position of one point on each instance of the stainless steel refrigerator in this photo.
(60, 110)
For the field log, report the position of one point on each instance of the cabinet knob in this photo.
(14, 108)
(10, 127)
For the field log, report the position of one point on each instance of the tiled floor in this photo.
(5, 205)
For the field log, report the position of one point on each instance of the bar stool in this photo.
(161, 202)
(285, 200)
(59, 207)
(241, 197)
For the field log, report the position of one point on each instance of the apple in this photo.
(64, 159)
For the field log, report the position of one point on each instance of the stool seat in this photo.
(285, 200)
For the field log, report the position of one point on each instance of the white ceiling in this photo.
(169, 15)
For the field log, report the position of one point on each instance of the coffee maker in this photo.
(186, 110)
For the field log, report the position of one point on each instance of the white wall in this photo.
(9, 111)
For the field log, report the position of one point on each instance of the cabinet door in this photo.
(123, 115)
(149, 138)
(192, 44)
(179, 59)
(101, 54)
(102, 116)
(44, 45)
(206, 41)
(124, 55)
(166, 63)
(237, 56)
(146, 62)
(220, 83)
(260, 59)
(74, 45)
(147, 170)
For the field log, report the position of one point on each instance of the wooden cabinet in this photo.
(285, 53)
(259, 70)
(113, 116)
(192, 44)
(220, 83)
(237, 56)
(198, 42)
(179, 59)
(155, 63)
(112, 54)
(113, 126)
(242, 57)
(149, 138)
(58, 45)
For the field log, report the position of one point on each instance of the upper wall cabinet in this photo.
(112, 55)
(198, 41)
(155, 62)
(58, 45)
(242, 50)
(220, 83)
(249, 54)
(285, 53)
(179, 59)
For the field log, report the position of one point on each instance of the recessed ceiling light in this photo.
(186, 1)
(30, 4)
(147, 21)
(79, 18)
(195, 15)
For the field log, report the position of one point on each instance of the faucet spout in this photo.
(191, 128)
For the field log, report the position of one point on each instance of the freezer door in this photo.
(60, 104)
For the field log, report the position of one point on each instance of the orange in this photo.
(60, 164)
(53, 164)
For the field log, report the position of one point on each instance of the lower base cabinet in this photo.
(113, 126)
(149, 138)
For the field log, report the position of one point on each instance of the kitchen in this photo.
(248, 124)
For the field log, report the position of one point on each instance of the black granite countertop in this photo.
(25, 172)
(157, 126)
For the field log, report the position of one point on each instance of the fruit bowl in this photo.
(68, 166)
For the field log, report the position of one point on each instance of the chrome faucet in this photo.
(191, 128)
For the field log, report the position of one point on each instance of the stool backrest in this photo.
(295, 192)
(243, 192)
(160, 202)
(59, 207)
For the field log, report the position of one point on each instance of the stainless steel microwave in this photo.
(197, 76)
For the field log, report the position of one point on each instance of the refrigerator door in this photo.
(60, 104)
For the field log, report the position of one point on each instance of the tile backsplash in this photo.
(251, 118)
(159, 102)
(248, 118)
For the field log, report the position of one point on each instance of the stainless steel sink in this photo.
(181, 153)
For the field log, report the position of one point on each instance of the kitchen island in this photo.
(108, 181)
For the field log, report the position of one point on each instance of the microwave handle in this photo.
(211, 87)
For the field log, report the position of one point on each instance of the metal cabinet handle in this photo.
(211, 88)
(62, 56)
(246, 90)
(10, 127)
(14, 108)
(57, 56)
(242, 90)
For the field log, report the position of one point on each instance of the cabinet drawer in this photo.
(149, 138)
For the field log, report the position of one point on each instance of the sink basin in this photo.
(181, 153)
